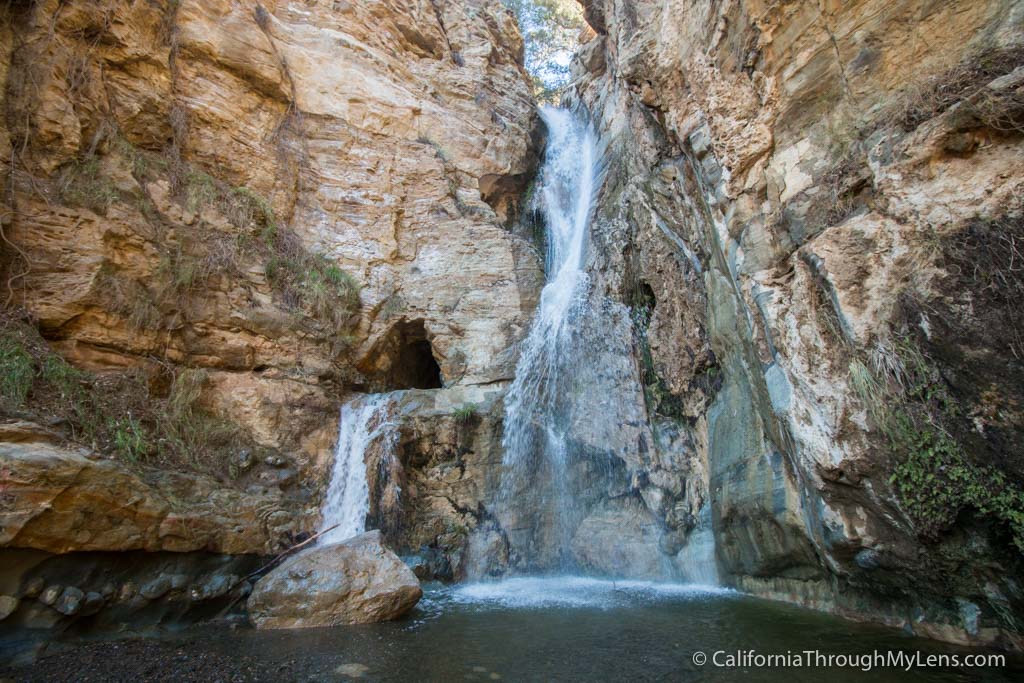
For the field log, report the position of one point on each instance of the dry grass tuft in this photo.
(966, 82)
(119, 413)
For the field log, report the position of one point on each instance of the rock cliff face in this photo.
(815, 206)
(224, 217)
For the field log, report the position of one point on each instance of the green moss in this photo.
(657, 395)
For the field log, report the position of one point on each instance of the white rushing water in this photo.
(576, 592)
(573, 385)
(363, 421)
(538, 408)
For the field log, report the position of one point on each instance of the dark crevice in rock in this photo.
(404, 359)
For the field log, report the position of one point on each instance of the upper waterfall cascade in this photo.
(540, 405)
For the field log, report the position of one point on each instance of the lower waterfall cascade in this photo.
(363, 420)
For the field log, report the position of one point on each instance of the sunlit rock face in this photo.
(792, 205)
(171, 167)
(300, 200)
(358, 581)
(391, 138)
(59, 499)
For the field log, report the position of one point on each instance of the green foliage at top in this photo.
(550, 30)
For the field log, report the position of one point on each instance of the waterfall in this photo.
(363, 422)
(539, 405)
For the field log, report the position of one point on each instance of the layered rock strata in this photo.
(285, 202)
(802, 201)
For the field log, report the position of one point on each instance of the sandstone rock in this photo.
(62, 500)
(769, 210)
(401, 166)
(355, 582)
(442, 472)
(8, 604)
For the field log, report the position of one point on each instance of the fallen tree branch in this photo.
(283, 554)
(287, 552)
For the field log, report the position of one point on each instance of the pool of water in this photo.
(563, 629)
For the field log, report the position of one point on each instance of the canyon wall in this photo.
(814, 210)
(222, 218)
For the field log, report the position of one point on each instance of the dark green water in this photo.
(566, 630)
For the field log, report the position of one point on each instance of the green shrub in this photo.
(201, 191)
(306, 281)
(82, 183)
(117, 413)
(932, 475)
(16, 371)
(463, 414)
(129, 298)
(65, 379)
(131, 440)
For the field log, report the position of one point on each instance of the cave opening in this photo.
(408, 359)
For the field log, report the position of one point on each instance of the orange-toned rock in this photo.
(61, 499)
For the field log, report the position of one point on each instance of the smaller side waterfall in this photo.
(363, 421)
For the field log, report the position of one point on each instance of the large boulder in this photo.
(355, 582)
